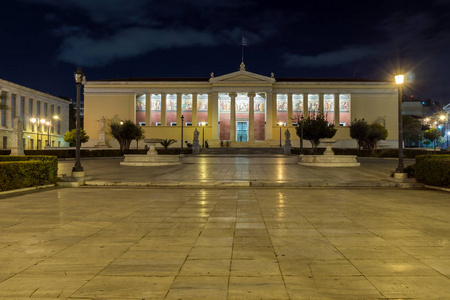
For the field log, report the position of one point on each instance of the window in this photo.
(45, 110)
(202, 108)
(3, 111)
(157, 123)
(328, 108)
(173, 123)
(313, 105)
(282, 108)
(171, 109)
(13, 108)
(188, 123)
(141, 123)
(344, 110)
(200, 123)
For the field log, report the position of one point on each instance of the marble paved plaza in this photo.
(289, 243)
(235, 170)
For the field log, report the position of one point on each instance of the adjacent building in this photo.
(44, 118)
(242, 108)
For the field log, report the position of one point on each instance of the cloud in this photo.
(329, 59)
(87, 51)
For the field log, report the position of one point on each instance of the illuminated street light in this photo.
(400, 168)
(203, 134)
(38, 122)
(280, 124)
(182, 127)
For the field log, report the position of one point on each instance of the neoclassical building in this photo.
(44, 118)
(242, 108)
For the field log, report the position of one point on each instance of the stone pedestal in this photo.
(151, 158)
(102, 140)
(287, 147)
(328, 159)
(195, 143)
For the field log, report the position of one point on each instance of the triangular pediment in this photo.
(242, 76)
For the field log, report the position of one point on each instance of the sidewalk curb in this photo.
(242, 184)
(33, 188)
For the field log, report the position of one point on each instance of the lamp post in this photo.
(38, 122)
(301, 135)
(182, 124)
(79, 78)
(445, 121)
(400, 168)
(203, 134)
(48, 133)
(280, 124)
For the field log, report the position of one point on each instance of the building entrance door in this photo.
(241, 132)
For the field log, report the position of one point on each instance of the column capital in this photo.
(232, 94)
(251, 94)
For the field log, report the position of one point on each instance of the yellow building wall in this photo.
(113, 107)
(380, 108)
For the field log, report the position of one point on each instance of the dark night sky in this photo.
(43, 41)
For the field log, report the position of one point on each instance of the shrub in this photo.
(367, 136)
(25, 171)
(433, 169)
(71, 137)
(167, 142)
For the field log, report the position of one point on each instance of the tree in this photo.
(412, 129)
(125, 133)
(432, 134)
(316, 128)
(377, 132)
(359, 130)
(71, 136)
(367, 136)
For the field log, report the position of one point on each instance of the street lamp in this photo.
(400, 168)
(203, 134)
(301, 135)
(280, 124)
(38, 122)
(445, 121)
(182, 124)
(48, 133)
(79, 79)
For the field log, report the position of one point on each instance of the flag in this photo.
(244, 41)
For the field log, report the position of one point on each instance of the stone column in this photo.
(233, 116)
(148, 109)
(321, 103)
(305, 105)
(8, 110)
(163, 109)
(213, 114)
(336, 109)
(289, 112)
(194, 109)
(271, 113)
(179, 108)
(251, 116)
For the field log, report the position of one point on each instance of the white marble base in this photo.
(329, 161)
(150, 160)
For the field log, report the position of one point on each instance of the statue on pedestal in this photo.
(102, 134)
(195, 144)
(287, 142)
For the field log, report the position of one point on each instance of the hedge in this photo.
(26, 171)
(432, 169)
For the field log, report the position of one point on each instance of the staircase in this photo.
(243, 151)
